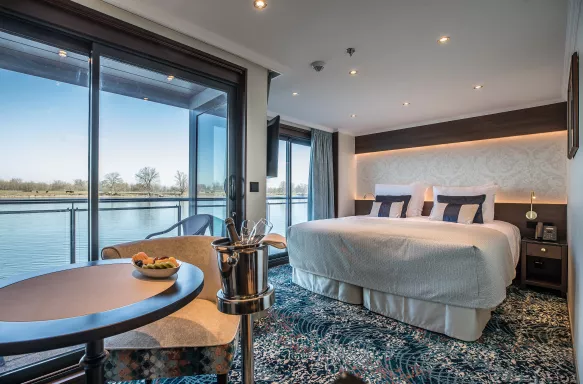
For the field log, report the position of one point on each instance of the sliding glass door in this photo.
(212, 170)
(158, 133)
(100, 147)
(300, 173)
(277, 197)
(44, 109)
(287, 194)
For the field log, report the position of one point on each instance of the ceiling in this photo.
(515, 48)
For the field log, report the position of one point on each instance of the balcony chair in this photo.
(197, 339)
(192, 225)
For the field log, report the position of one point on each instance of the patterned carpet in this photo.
(307, 338)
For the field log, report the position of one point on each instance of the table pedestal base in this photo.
(92, 362)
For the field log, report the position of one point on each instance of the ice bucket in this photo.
(243, 268)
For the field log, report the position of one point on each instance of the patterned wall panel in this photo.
(518, 164)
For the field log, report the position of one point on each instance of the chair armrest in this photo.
(109, 253)
(164, 231)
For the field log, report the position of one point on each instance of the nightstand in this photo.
(544, 264)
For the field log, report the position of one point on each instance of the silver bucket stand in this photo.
(245, 308)
(245, 292)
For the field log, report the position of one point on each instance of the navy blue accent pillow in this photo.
(385, 209)
(451, 212)
(394, 199)
(458, 201)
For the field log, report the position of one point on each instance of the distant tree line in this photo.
(31, 186)
(147, 180)
(297, 189)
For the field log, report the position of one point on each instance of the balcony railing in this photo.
(73, 207)
(31, 229)
(276, 211)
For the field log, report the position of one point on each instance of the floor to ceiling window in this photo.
(44, 106)
(287, 194)
(168, 148)
(158, 134)
(212, 165)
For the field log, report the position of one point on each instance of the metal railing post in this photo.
(179, 209)
(72, 234)
(268, 210)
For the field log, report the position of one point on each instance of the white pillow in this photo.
(416, 190)
(488, 189)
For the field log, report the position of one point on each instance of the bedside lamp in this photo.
(366, 194)
(531, 215)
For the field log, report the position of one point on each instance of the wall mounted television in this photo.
(272, 146)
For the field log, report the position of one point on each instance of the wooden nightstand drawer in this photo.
(544, 250)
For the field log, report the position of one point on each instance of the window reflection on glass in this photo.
(300, 171)
(287, 194)
(44, 109)
(212, 165)
(148, 126)
(277, 193)
(144, 150)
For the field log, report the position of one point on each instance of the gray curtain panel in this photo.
(321, 182)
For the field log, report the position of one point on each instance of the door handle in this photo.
(230, 188)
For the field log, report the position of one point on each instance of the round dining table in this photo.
(84, 304)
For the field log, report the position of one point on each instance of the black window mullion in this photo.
(288, 184)
(93, 182)
(192, 170)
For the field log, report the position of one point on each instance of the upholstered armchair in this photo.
(197, 339)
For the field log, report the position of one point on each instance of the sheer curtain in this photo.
(321, 181)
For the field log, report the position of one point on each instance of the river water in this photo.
(34, 240)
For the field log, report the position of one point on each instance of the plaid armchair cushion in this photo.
(126, 365)
(197, 339)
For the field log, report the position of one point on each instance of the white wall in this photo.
(517, 164)
(256, 100)
(346, 175)
(575, 230)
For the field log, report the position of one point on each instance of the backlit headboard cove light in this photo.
(517, 164)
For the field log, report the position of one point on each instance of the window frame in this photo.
(291, 135)
(80, 29)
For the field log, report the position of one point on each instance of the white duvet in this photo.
(448, 263)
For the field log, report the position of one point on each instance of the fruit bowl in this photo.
(157, 273)
(156, 267)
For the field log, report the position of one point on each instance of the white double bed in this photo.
(441, 276)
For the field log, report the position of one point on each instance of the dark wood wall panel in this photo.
(82, 21)
(335, 162)
(547, 118)
(513, 213)
(293, 132)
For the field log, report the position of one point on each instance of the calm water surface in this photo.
(34, 240)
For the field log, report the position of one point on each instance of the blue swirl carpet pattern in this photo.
(307, 338)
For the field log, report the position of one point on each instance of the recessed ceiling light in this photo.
(145, 98)
(406, 103)
(353, 72)
(295, 94)
(443, 39)
(260, 4)
(170, 77)
(478, 86)
(62, 53)
(353, 115)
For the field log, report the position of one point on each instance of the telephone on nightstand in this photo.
(545, 232)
